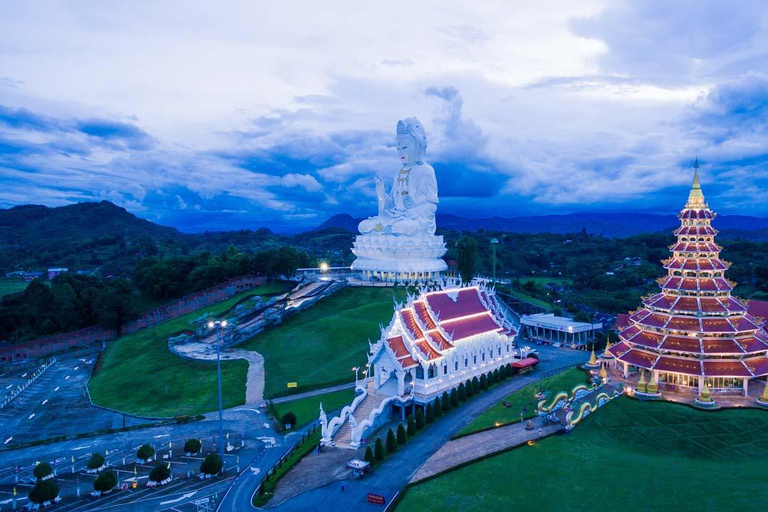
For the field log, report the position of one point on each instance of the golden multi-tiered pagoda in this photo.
(694, 332)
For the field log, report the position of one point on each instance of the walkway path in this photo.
(254, 384)
(307, 394)
(476, 446)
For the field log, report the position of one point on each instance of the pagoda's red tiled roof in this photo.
(687, 304)
(618, 349)
(696, 230)
(398, 347)
(725, 369)
(646, 339)
(721, 346)
(638, 358)
(744, 323)
(716, 325)
(678, 365)
(757, 365)
(654, 320)
(684, 323)
(636, 317)
(752, 344)
(710, 305)
(471, 326)
(681, 344)
(697, 214)
(622, 320)
(467, 303)
(696, 264)
(758, 308)
(408, 362)
(734, 304)
(695, 247)
(629, 332)
(421, 311)
(661, 301)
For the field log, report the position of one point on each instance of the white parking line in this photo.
(44, 402)
(8, 440)
(31, 416)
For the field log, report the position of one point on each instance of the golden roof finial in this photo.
(696, 195)
(764, 396)
(603, 374)
(592, 358)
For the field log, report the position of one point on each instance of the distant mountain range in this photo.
(609, 224)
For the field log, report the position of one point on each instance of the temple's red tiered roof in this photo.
(436, 321)
(694, 326)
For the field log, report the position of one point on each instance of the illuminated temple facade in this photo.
(694, 334)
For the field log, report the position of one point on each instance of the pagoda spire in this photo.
(696, 195)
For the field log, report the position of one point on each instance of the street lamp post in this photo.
(218, 324)
(356, 369)
(494, 243)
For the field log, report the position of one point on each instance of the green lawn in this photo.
(319, 346)
(543, 280)
(139, 375)
(528, 298)
(499, 415)
(10, 285)
(629, 456)
(308, 409)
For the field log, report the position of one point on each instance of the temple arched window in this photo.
(456, 366)
(432, 371)
(445, 370)
(466, 362)
(483, 356)
(474, 359)
(419, 372)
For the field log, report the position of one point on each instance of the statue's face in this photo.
(407, 150)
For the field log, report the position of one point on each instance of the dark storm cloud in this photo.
(114, 132)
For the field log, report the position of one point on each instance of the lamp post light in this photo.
(494, 243)
(219, 324)
(356, 369)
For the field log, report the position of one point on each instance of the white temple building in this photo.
(434, 342)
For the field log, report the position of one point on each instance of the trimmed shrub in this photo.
(44, 490)
(436, 406)
(369, 456)
(106, 481)
(476, 385)
(445, 400)
(454, 397)
(470, 389)
(462, 392)
(96, 461)
(503, 372)
(42, 470)
(145, 452)
(400, 434)
(378, 449)
(288, 420)
(419, 419)
(430, 413)
(483, 382)
(212, 464)
(391, 442)
(496, 377)
(411, 430)
(160, 472)
(192, 446)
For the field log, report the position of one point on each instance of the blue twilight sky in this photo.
(233, 115)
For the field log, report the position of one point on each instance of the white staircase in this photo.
(343, 436)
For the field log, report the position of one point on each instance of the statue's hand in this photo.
(394, 212)
(380, 192)
(408, 202)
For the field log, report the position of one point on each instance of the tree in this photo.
(462, 392)
(145, 452)
(44, 490)
(430, 413)
(411, 426)
(42, 470)
(467, 256)
(437, 408)
(161, 472)
(502, 372)
(400, 434)
(391, 442)
(454, 398)
(491, 378)
(419, 419)
(369, 456)
(192, 446)
(289, 419)
(106, 481)
(496, 378)
(445, 400)
(212, 464)
(378, 449)
(475, 385)
(484, 382)
(96, 461)
(470, 389)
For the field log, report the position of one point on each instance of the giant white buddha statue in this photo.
(399, 244)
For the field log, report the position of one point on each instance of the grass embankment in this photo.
(308, 409)
(500, 415)
(9, 285)
(319, 346)
(629, 456)
(139, 375)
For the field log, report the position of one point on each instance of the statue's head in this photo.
(411, 141)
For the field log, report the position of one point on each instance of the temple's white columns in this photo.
(746, 386)
(400, 382)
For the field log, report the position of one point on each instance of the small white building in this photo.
(548, 328)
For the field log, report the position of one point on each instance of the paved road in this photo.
(398, 470)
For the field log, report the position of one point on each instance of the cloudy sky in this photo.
(232, 115)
